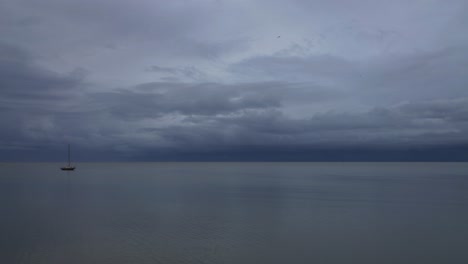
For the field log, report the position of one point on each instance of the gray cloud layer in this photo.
(138, 78)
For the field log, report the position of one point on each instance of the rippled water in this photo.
(234, 213)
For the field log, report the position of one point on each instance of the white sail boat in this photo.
(69, 167)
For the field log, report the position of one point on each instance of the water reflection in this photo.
(234, 213)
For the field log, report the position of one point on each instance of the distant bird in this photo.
(278, 37)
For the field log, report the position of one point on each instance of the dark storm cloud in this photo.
(297, 67)
(377, 127)
(205, 99)
(156, 28)
(189, 72)
(30, 98)
(423, 75)
(455, 110)
(144, 79)
(209, 116)
(26, 87)
(427, 75)
(22, 81)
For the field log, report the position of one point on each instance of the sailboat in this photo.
(69, 167)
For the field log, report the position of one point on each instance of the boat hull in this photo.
(67, 168)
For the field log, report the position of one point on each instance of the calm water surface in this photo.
(234, 213)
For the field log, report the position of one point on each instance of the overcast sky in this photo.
(234, 80)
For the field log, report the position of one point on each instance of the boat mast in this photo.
(68, 155)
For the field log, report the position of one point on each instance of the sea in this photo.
(234, 213)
